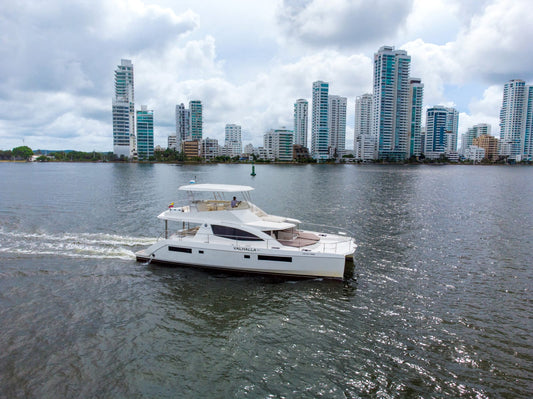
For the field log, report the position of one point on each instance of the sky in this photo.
(246, 60)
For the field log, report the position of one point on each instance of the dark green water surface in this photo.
(441, 304)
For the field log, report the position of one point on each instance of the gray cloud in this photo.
(342, 23)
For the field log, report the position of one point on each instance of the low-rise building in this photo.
(191, 148)
(278, 143)
(474, 153)
(489, 143)
(209, 148)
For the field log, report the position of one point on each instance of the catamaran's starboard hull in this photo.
(248, 260)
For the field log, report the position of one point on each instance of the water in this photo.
(440, 306)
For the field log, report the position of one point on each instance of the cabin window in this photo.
(275, 258)
(180, 249)
(233, 233)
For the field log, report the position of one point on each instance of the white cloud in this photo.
(247, 62)
(341, 23)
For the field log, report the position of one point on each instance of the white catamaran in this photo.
(238, 236)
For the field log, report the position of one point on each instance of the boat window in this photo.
(233, 233)
(275, 258)
(179, 249)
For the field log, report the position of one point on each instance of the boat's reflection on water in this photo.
(224, 300)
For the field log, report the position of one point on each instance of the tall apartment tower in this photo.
(416, 97)
(319, 122)
(145, 132)
(363, 141)
(391, 102)
(516, 121)
(233, 139)
(337, 125)
(363, 115)
(182, 124)
(301, 118)
(196, 124)
(441, 131)
(123, 109)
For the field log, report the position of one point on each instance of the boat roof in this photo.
(219, 188)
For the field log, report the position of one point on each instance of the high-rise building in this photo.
(145, 132)
(123, 110)
(363, 115)
(363, 140)
(441, 131)
(516, 121)
(452, 127)
(183, 127)
(301, 117)
(336, 125)
(319, 123)
(391, 102)
(173, 143)
(196, 124)
(416, 96)
(233, 139)
(278, 144)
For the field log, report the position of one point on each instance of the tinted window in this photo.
(179, 249)
(275, 258)
(233, 233)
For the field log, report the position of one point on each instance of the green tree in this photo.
(23, 152)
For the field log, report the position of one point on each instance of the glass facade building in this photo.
(145, 133)
(391, 107)
(319, 123)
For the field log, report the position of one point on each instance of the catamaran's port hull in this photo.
(280, 263)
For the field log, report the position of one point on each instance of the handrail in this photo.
(269, 243)
(335, 228)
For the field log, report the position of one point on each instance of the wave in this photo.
(78, 245)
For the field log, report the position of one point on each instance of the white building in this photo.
(516, 121)
(263, 153)
(363, 129)
(301, 118)
(336, 125)
(173, 143)
(123, 110)
(210, 148)
(365, 147)
(474, 153)
(278, 144)
(183, 128)
(249, 148)
(233, 139)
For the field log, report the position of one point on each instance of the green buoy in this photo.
(253, 170)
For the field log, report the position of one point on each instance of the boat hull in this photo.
(246, 259)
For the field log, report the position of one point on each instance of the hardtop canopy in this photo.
(217, 188)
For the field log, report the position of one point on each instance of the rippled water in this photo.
(441, 303)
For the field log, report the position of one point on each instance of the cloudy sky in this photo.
(246, 60)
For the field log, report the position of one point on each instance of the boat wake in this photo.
(76, 245)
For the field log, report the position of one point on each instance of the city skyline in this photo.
(248, 67)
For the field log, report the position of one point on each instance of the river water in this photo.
(440, 304)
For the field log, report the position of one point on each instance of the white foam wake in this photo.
(79, 245)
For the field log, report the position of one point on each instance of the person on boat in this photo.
(234, 202)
